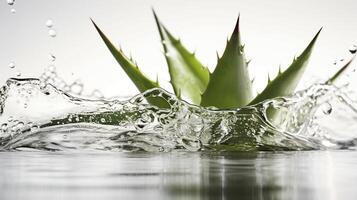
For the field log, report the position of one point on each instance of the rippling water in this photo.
(37, 115)
(308, 175)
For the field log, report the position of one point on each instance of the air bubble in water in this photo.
(12, 65)
(49, 23)
(327, 108)
(10, 119)
(51, 68)
(19, 125)
(10, 2)
(18, 73)
(4, 127)
(76, 87)
(51, 57)
(353, 49)
(97, 94)
(13, 11)
(52, 33)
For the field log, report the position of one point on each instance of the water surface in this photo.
(179, 175)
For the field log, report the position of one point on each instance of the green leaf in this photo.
(189, 78)
(229, 85)
(132, 70)
(285, 83)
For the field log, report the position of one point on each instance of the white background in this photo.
(273, 31)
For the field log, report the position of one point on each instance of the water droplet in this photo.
(77, 87)
(353, 49)
(102, 120)
(52, 33)
(13, 11)
(66, 88)
(10, 2)
(51, 68)
(327, 108)
(51, 57)
(12, 65)
(18, 73)
(10, 119)
(49, 23)
(42, 85)
(97, 94)
(4, 127)
(20, 125)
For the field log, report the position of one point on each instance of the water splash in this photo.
(37, 115)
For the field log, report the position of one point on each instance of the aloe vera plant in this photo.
(227, 87)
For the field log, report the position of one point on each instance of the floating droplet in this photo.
(10, 2)
(12, 65)
(49, 23)
(18, 73)
(102, 120)
(353, 49)
(13, 11)
(51, 57)
(52, 33)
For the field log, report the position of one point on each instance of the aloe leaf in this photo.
(142, 82)
(189, 78)
(334, 78)
(229, 85)
(285, 83)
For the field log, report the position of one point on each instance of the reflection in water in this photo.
(178, 175)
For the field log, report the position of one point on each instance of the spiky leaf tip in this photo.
(142, 82)
(286, 82)
(338, 74)
(189, 78)
(230, 84)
